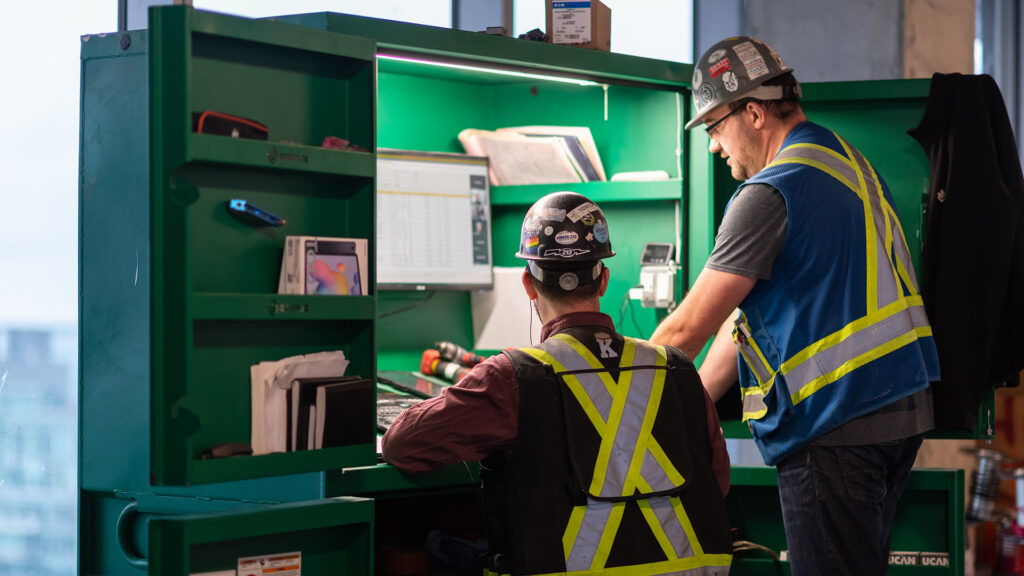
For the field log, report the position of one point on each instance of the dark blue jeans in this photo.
(838, 504)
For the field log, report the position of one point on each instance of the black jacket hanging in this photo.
(973, 254)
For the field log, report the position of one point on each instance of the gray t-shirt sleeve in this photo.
(751, 233)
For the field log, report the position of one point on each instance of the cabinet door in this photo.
(332, 536)
(268, 94)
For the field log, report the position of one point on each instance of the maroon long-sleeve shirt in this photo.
(480, 415)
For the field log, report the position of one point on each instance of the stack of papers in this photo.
(272, 383)
(536, 154)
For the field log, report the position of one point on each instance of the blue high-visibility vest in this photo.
(840, 329)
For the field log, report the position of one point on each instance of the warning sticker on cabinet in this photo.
(288, 564)
(570, 22)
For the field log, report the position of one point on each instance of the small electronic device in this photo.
(657, 275)
(323, 265)
(332, 267)
(253, 215)
(656, 254)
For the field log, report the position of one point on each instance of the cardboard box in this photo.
(586, 23)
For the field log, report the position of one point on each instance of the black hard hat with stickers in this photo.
(564, 238)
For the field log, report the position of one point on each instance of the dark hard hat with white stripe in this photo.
(564, 238)
(737, 68)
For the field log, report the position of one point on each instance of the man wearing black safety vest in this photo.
(599, 452)
(832, 347)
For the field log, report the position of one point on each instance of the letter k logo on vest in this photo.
(604, 340)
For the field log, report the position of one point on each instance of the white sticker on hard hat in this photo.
(697, 77)
(751, 59)
(566, 237)
(555, 214)
(581, 210)
(706, 94)
(716, 55)
(531, 225)
(730, 81)
(549, 231)
(566, 252)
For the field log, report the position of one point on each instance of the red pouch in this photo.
(210, 122)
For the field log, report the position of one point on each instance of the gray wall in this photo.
(823, 40)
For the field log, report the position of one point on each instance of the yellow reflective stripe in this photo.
(854, 363)
(653, 568)
(614, 418)
(748, 341)
(611, 528)
(656, 528)
(869, 232)
(820, 166)
(589, 358)
(889, 240)
(574, 386)
(762, 389)
(903, 271)
(754, 415)
(684, 521)
(640, 450)
(662, 459)
(572, 529)
(844, 332)
(750, 361)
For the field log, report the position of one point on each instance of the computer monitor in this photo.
(433, 221)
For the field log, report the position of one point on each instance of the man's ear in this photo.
(528, 285)
(760, 113)
(605, 276)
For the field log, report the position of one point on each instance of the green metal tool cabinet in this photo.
(178, 299)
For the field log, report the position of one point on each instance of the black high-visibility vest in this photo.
(611, 470)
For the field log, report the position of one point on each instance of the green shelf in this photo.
(600, 192)
(281, 306)
(333, 536)
(384, 478)
(244, 467)
(278, 156)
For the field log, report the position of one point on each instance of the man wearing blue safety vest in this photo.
(835, 352)
(600, 453)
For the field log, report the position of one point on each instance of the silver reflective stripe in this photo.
(590, 381)
(584, 548)
(654, 474)
(821, 156)
(753, 405)
(627, 437)
(904, 256)
(857, 343)
(666, 514)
